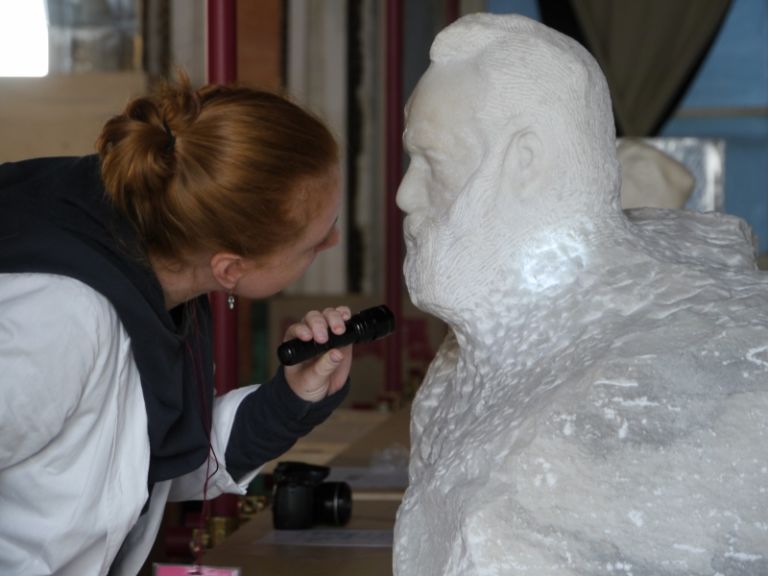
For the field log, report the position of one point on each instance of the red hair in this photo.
(222, 168)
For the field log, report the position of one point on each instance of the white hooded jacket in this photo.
(74, 449)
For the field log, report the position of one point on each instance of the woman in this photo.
(105, 358)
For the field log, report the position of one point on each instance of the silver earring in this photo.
(230, 300)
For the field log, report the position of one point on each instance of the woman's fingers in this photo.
(315, 324)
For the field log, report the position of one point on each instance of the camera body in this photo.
(301, 499)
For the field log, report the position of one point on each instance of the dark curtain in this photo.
(649, 50)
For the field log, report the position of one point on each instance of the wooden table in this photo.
(246, 548)
(257, 549)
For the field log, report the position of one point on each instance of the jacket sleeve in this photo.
(46, 355)
(251, 426)
(73, 446)
(270, 420)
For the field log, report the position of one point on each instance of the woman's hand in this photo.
(323, 375)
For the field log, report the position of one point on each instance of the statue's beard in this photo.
(440, 270)
(419, 268)
(455, 258)
(457, 270)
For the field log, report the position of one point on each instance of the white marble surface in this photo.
(651, 178)
(601, 403)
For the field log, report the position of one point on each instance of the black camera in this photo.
(301, 499)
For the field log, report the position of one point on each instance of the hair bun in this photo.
(218, 168)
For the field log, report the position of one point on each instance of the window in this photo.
(23, 38)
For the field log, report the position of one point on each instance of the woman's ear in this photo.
(227, 269)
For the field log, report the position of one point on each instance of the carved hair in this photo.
(537, 77)
(219, 168)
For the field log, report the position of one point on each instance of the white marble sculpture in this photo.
(651, 178)
(600, 406)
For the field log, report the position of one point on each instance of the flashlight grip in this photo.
(366, 326)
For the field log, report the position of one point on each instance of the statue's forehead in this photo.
(448, 97)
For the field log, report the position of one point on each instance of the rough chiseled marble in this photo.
(600, 406)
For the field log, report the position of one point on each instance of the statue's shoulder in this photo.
(702, 239)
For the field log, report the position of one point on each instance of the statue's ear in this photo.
(522, 160)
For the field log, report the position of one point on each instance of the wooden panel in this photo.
(259, 65)
(61, 115)
(260, 43)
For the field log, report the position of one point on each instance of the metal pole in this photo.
(222, 69)
(393, 175)
(452, 10)
(222, 41)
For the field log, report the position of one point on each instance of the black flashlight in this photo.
(366, 326)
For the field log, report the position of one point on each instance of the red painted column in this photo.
(222, 69)
(452, 10)
(222, 41)
(393, 175)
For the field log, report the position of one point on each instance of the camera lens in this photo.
(333, 503)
